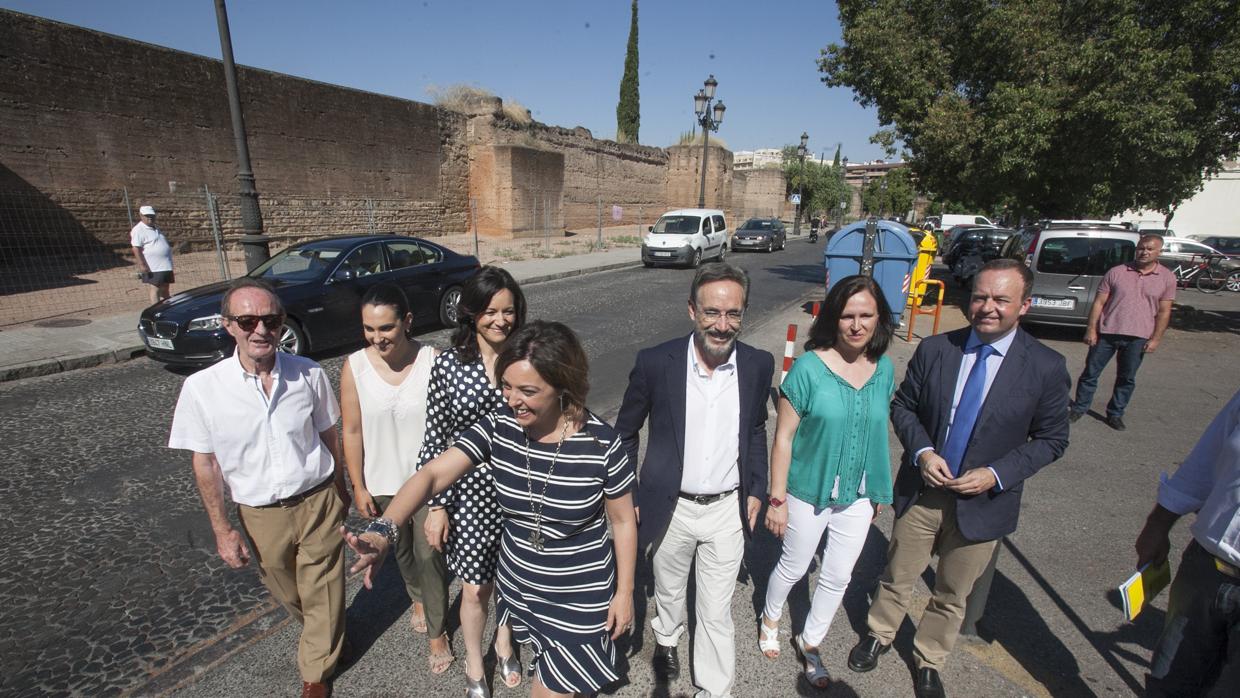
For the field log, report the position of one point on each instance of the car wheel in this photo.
(783, 242)
(293, 339)
(449, 315)
(1233, 282)
(696, 260)
(648, 264)
(722, 251)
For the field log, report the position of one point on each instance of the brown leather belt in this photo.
(299, 498)
(704, 498)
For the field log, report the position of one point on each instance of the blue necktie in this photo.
(966, 412)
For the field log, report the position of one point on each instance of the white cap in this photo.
(147, 210)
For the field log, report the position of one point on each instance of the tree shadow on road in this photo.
(1188, 318)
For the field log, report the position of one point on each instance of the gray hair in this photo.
(719, 271)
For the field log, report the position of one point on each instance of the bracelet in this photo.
(775, 502)
(385, 528)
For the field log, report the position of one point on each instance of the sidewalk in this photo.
(67, 344)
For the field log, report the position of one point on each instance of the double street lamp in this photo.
(801, 150)
(709, 120)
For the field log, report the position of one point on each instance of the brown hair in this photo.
(555, 352)
(248, 282)
(1005, 264)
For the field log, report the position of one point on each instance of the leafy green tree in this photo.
(628, 110)
(1059, 107)
(821, 186)
(895, 199)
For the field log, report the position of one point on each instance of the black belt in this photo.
(704, 498)
(299, 498)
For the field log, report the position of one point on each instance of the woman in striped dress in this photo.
(565, 586)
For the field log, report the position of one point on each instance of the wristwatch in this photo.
(775, 502)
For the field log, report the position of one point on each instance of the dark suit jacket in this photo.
(657, 390)
(1023, 425)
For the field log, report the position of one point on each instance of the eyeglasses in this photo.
(248, 323)
(733, 316)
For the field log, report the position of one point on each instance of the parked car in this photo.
(321, 284)
(1068, 261)
(947, 220)
(955, 231)
(1226, 244)
(973, 248)
(761, 234)
(686, 236)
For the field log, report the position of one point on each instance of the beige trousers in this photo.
(300, 557)
(928, 526)
(712, 535)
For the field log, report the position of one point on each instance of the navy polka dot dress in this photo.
(557, 598)
(458, 396)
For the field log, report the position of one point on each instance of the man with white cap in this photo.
(152, 254)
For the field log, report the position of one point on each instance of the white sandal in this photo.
(768, 639)
(815, 673)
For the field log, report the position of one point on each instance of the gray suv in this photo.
(1068, 260)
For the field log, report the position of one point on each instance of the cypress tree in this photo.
(628, 112)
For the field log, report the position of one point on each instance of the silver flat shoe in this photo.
(476, 689)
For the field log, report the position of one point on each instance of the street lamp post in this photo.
(882, 200)
(801, 150)
(847, 192)
(253, 241)
(709, 122)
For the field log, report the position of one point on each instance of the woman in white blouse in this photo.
(383, 404)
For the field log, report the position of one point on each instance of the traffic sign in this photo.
(795, 199)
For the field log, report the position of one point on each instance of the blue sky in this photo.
(562, 59)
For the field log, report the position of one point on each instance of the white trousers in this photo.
(847, 527)
(712, 535)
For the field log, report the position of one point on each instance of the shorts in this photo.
(156, 278)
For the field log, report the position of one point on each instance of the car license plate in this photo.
(158, 343)
(663, 254)
(1056, 303)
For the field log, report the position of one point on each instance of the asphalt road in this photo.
(109, 574)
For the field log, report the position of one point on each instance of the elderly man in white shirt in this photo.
(264, 424)
(705, 471)
(1199, 651)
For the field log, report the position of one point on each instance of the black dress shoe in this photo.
(864, 656)
(928, 684)
(1116, 423)
(1073, 416)
(666, 663)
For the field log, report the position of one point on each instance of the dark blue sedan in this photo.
(321, 284)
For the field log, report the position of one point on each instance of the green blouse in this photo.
(840, 452)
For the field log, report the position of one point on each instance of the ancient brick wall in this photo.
(86, 116)
(758, 193)
(684, 177)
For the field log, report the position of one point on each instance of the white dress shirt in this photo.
(1001, 348)
(1208, 482)
(268, 447)
(712, 427)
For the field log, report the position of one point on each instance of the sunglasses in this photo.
(248, 323)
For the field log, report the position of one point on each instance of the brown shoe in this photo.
(315, 690)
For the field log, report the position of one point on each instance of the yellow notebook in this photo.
(1143, 586)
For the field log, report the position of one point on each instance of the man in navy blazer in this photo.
(705, 473)
(980, 410)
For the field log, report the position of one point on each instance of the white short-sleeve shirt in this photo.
(268, 447)
(154, 246)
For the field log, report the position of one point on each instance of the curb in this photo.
(578, 272)
(47, 367)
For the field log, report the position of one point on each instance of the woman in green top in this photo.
(830, 465)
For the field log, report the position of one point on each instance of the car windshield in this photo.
(298, 264)
(678, 225)
(758, 224)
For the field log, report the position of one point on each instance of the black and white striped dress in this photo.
(556, 599)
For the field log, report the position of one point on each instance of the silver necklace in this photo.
(537, 539)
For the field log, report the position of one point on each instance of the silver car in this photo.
(1068, 261)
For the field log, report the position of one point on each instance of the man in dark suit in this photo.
(704, 477)
(980, 411)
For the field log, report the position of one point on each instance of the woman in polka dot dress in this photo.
(466, 518)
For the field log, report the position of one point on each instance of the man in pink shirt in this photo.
(1128, 318)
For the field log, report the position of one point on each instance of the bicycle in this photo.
(1210, 275)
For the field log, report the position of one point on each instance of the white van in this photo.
(686, 236)
(947, 220)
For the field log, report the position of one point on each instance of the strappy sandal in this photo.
(417, 619)
(815, 673)
(508, 666)
(768, 639)
(440, 661)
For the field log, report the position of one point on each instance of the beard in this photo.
(714, 351)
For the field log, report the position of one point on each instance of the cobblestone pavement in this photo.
(110, 573)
